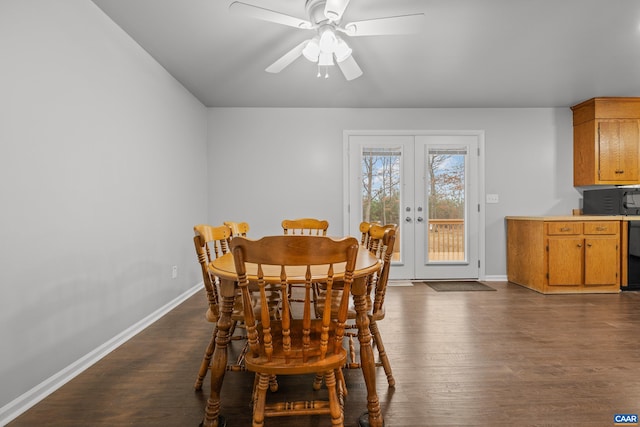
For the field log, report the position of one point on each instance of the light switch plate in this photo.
(493, 198)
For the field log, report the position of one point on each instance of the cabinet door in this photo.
(601, 261)
(566, 260)
(619, 150)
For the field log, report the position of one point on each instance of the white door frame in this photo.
(481, 178)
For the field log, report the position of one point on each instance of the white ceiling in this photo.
(472, 53)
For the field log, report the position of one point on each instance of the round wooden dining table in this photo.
(224, 268)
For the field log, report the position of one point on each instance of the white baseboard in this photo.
(22, 403)
(495, 279)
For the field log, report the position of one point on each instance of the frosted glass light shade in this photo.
(343, 51)
(312, 50)
(328, 41)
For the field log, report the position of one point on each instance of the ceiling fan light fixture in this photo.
(343, 51)
(312, 50)
(328, 40)
(326, 59)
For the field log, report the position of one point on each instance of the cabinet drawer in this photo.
(564, 228)
(604, 227)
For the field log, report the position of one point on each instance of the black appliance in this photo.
(619, 201)
(611, 201)
(633, 271)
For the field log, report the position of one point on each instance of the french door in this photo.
(430, 185)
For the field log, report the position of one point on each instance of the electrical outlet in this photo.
(174, 272)
(493, 198)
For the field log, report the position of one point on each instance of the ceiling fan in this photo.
(327, 45)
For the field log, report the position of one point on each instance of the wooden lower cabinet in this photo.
(564, 256)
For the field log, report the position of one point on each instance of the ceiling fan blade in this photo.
(268, 15)
(287, 58)
(405, 24)
(334, 9)
(350, 68)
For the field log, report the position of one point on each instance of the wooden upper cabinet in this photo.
(606, 141)
(618, 143)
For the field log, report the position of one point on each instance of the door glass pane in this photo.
(445, 229)
(381, 188)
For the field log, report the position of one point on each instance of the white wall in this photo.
(268, 164)
(102, 177)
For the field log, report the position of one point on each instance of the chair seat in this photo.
(293, 363)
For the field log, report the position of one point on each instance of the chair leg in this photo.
(342, 384)
(273, 383)
(377, 339)
(335, 403)
(317, 382)
(206, 360)
(260, 399)
(352, 364)
(232, 329)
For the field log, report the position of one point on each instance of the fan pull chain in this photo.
(326, 72)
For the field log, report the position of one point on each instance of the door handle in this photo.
(419, 219)
(407, 219)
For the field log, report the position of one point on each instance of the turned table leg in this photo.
(367, 361)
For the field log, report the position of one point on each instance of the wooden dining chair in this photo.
(364, 233)
(237, 228)
(380, 240)
(210, 243)
(308, 226)
(298, 343)
(303, 226)
(378, 285)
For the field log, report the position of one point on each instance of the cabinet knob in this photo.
(619, 171)
(565, 229)
(579, 245)
(589, 245)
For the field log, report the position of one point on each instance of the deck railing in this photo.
(446, 239)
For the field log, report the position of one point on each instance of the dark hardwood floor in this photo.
(505, 358)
